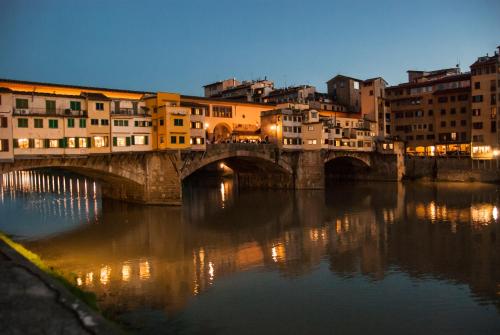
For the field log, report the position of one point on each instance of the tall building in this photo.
(231, 89)
(374, 106)
(295, 94)
(485, 78)
(214, 90)
(431, 112)
(346, 91)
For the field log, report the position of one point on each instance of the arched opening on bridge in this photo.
(222, 132)
(244, 172)
(345, 168)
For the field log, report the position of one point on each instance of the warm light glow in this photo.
(126, 272)
(494, 213)
(144, 270)
(211, 271)
(105, 273)
(273, 127)
(207, 125)
(496, 152)
(79, 281)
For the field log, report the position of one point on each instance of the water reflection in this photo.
(39, 203)
(161, 258)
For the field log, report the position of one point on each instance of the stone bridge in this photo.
(156, 177)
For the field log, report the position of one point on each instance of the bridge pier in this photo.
(309, 172)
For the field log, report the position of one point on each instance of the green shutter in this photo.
(62, 142)
(115, 141)
(31, 143)
(77, 144)
(132, 139)
(146, 139)
(89, 142)
(127, 141)
(46, 143)
(15, 143)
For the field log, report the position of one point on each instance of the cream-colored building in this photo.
(197, 124)
(282, 126)
(6, 148)
(131, 126)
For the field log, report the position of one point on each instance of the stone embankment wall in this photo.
(452, 169)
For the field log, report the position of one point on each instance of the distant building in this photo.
(295, 94)
(345, 91)
(214, 90)
(431, 112)
(485, 83)
(374, 106)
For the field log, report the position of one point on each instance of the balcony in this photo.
(131, 111)
(64, 112)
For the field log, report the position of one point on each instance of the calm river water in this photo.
(360, 258)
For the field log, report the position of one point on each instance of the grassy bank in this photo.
(67, 280)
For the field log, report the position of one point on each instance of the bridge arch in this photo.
(253, 166)
(347, 166)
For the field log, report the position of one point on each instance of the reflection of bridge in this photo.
(156, 177)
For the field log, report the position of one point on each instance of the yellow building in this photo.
(171, 121)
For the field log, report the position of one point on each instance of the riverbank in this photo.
(35, 302)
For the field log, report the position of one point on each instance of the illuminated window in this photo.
(140, 140)
(120, 141)
(100, 141)
(38, 143)
(200, 140)
(23, 143)
(82, 142)
(71, 142)
(53, 143)
(4, 145)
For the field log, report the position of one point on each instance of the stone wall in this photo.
(452, 169)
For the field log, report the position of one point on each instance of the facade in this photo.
(227, 121)
(374, 106)
(131, 125)
(295, 94)
(6, 148)
(283, 127)
(197, 123)
(431, 112)
(485, 83)
(346, 91)
(214, 90)
(252, 91)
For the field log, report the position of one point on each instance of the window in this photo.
(50, 106)
(38, 143)
(161, 122)
(477, 85)
(463, 122)
(443, 123)
(71, 123)
(104, 122)
(139, 140)
(178, 122)
(181, 140)
(476, 112)
(83, 123)
(22, 123)
(22, 143)
(463, 110)
(443, 111)
(121, 141)
(100, 141)
(311, 141)
(3, 122)
(442, 99)
(477, 125)
(222, 111)
(173, 139)
(38, 123)
(83, 142)
(430, 112)
(453, 123)
(477, 98)
(453, 111)
(71, 141)
(75, 105)
(4, 145)
(22, 103)
(99, 106)
(371, 92)
(121, 123)
(53, 143)
(94, 122)
(53, 124)
(310, 128)
(162, 140)
(429, 101)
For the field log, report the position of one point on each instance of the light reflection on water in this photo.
(346, 258)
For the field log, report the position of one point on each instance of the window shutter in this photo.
(115, 141)
(89, 142)
(132, 139)
(146, 139)
(62, 142)
(77, 140)
(15, 143)
(31, 143)
(127, 139)
(46, 143)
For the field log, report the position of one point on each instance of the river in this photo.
(391, 258)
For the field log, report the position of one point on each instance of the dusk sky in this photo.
(179, 46)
